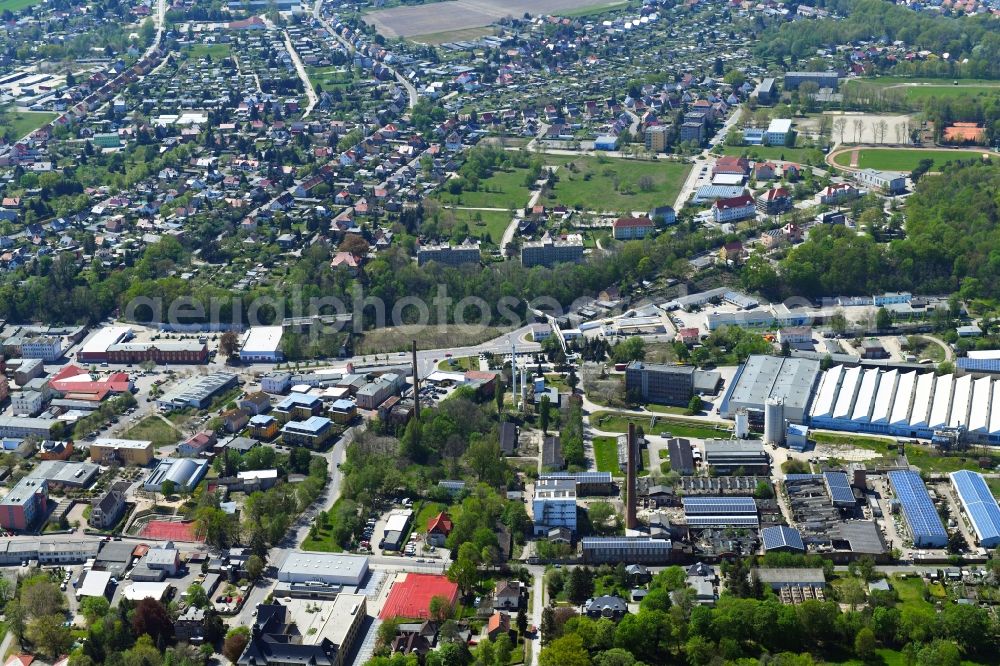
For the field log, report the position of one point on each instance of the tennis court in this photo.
(411, 598)
(169, 531)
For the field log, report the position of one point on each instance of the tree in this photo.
(440, 608)
(548, 627)
(565, 651)
(354, 244)
(464, 571)
(94, 608)
(543, 414)
(695, 405)
(572, 380)
(168, 487)
(196, 596)
(580, 585)
(600, 513)
(255, 567)
(17, 618)
(151, 617)
(864, 643)
(40, 596)
(633, 349)
(236, 642)
(229, 344)
(522, 621)
(48, 635)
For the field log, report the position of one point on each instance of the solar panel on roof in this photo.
(782, 537)
(839, 487)
(979, 505)
(918, 509)
(722, 521)
(719, 505)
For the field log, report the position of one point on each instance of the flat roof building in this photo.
(197, 391)
(728, 456)
(25, 505)
(327, 568)
(262, 344)
(554, 505)
(105, 450)
(763, 378)
(634, 550)
(185, 473)
(550, 251)
(659, 382)
(69, 474)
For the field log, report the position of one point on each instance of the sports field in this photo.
(15, 5)
(893, 159)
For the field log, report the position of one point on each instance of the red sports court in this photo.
(168, 531)
(411, 598)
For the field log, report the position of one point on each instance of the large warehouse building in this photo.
(764, 378)
(922, 521)
(328, 568)
(906, 403)
(979, 505)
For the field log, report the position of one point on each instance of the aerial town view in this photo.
(499, 332)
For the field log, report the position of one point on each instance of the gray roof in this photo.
(791, 576)
(771, 377)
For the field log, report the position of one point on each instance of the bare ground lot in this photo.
(452, 15)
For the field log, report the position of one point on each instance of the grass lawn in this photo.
(489, 222)
(645, 463)
(596, 9)
(23, 123)
(666, 409)
(330, 77)
(16, 5)
(894, 159)
(461, 35)
(427, 511)
(154, 429)
(503, 189)
(618, 422)
(459, 364)
(556, 380)
(606, 454)
(800, 155)
(921, 93)
(323, 541)
(615, 185)
(216, 51)
(880, 444)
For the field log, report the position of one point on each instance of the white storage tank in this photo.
(742, 429)
(774, 422)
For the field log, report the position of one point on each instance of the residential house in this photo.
(508, 595)
(438, 529)
(733, 209)
(632, 228)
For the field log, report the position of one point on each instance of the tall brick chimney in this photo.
(416, 381)
(630, 474)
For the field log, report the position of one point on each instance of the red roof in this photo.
(734, 202)
(20, 660)
(776, 193)
(440, 523)
(630, 222)
(69, 381)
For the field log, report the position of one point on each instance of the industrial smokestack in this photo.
(416, 381)
(630, 473)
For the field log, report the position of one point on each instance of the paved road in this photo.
(411, 91)
(303, 74)
(691, 183)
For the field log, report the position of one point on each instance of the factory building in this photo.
(763, 378)
(906, 403)
(920, 516)
(979, 506)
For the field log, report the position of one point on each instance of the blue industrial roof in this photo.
(782, 537)
(980, 364)
(717, 506)
(801, 477)
(840, 488)
(723, 521)
(980, 506)
(918, 509)
(314, 424)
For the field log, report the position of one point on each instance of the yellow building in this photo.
(106, 450)
(263, 426)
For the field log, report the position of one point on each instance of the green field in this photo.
(585, 183)
(920, 93)
(799, 155)
(618, 422)
(490, 222)
(897, 159)
(593, 10)
(216, 51)
(462, 35)
(23, 123)
(154, 429)
(330, 77)
(459, 364)
(16, 5)
(930, 88)
(606, 454)
(616, 185)
(925, 458)
(503, 189)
